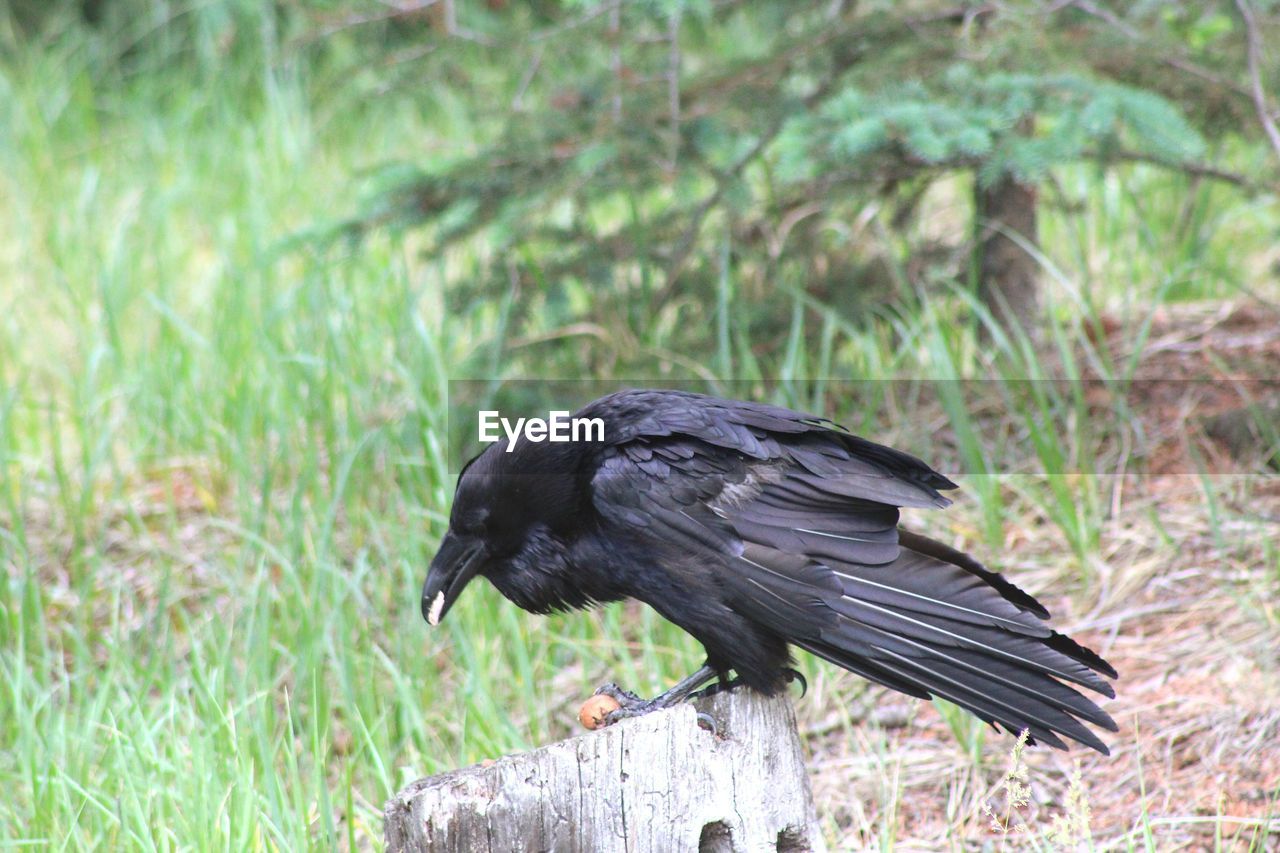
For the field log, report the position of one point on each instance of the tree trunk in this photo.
(1008, 274)
(658, 782)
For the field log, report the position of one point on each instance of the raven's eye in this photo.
(471, 522)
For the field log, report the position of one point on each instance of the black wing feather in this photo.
(797, 523)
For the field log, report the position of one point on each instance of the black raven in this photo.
(753, 528)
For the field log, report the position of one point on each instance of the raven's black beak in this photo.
(454, 565)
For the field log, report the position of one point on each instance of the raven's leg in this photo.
(733, 684)
(719, 687)
(633, 706)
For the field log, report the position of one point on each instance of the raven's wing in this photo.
(799, 521)
(663, 493)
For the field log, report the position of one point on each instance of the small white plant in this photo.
(1017, 794)
(1070, 831)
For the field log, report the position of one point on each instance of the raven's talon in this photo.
(636, 709)
(625, 698)
(794, 675)
(708, 723)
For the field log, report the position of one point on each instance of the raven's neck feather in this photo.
(549, 574)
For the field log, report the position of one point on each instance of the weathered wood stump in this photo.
(658, 782)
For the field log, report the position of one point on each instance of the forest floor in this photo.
(1186, 610)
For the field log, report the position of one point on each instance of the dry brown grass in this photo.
(1184, 605)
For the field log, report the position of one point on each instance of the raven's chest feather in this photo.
(549, 573)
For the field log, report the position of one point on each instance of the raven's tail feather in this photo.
(936, 623)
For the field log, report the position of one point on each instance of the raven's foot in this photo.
(646, 706)
(724, 686)
(631, 705)
(624, 698)
(632, 708)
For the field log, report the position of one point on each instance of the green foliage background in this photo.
(245, 245)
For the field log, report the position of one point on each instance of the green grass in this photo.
(222, 463)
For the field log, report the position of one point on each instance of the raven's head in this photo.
(503, 507)
(465, 546)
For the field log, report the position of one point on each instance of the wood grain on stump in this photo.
(654, 783)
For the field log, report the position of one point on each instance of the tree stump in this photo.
(658, 782)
